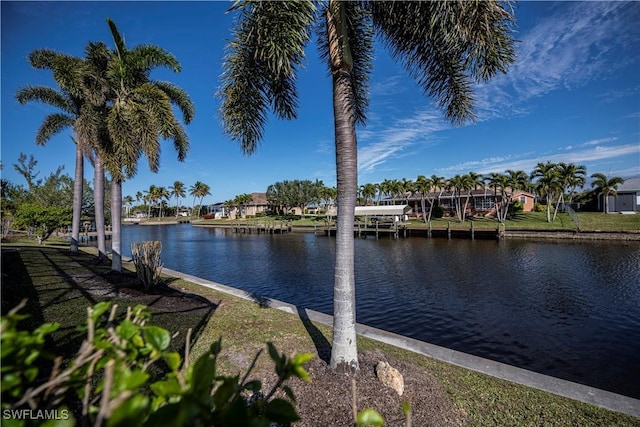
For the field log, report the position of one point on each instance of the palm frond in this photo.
(260, 66)
(445, 46)
(148, 57)
(46, 95)
(178, 97)
(51, 125)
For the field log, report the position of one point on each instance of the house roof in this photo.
(259, 199)
(630, 185)
(383, 210)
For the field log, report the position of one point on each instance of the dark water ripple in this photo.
(567, 309)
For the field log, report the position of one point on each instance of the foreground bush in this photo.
(110, 377)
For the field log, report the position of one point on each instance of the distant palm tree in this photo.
(368, 192)
(177, 191)
(423, 186)
(199, 190)
(241, 201)
(547, 184)
(127, 201)
(445, 46)
(163, 196)
(606, 187)
(571, 176)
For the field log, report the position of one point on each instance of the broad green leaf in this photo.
(129, 412)
(159, 338)
(99, 309)
(369, 417)
(126, 329)
(47, 328)
(170, 387)
(130, 380)
(254, 386)
(173, 360)
(301, 358)
(281, 411)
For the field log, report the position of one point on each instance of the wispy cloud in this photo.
(588, 152)
(566, 50)
(380, 145)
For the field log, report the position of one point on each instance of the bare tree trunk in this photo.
(98, 198)
(78, 183)
(116, 222)
(344, 351)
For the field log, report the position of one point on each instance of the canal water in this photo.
(562, 308)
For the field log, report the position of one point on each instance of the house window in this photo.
(483, 203)
(523, 199)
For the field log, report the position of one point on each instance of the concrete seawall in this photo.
(575, 391)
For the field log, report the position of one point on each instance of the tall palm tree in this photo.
(547, 184)
(128, 202)
(140, 113)
(445, 46)
(606, 187)
(177, 191)
(571, 176)
(74, 112)
(199, 190)
(423, 186)
(368, 192)
(459, 185)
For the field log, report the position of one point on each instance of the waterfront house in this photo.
(480, 202)
(627, 198)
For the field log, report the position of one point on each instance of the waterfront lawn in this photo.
(589, 221)
(60, 286)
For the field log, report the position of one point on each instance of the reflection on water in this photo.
(567, 309)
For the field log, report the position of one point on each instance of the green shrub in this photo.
(146, 258)
(437, 212)
(110, 376)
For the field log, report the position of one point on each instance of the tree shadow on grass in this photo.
(322, 344)
(60, 286)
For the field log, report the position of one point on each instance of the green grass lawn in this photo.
(59, 287)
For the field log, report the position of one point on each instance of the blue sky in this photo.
(573, 96)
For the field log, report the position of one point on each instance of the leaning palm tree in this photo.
(74, 112)
(139, 114)
(606, 187)
(445, 46)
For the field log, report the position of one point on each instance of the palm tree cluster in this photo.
(239, 203)
(554, 184)
(117, 114)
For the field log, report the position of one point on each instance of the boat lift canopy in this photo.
(386, 210)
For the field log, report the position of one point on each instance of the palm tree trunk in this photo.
(344, 352)
(78, 183)
(98, 198)
(116, 222)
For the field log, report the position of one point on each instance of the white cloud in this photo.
(528, 161)
(379, 146)
(563, 51)
(600, 141)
